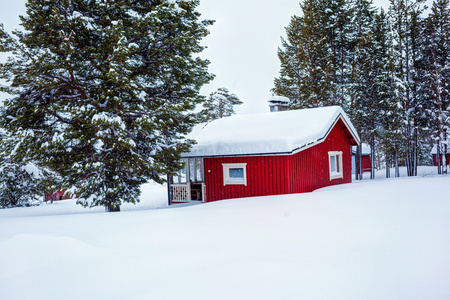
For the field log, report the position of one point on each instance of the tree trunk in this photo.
(438, 156)
(359, 154)
(372, 157)
(397, 170)
(416, 143)
(112, 208)
(388, 167)
(444, 156)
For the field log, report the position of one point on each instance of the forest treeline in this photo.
(389, 69)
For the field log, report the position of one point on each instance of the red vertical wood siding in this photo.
(365, 163)
(282, 174)
(447, 159)
(311, 166)
(265, 176)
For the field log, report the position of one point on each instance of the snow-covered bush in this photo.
(20, 185)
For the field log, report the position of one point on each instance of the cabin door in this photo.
(188, 184)
(196, 179)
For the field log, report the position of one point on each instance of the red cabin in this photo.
(267, 154)
(56, 195)
(434, 154)
(366, 162)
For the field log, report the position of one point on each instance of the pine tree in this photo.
(103, 91)
(435, 74)
(363, 83)
(220, 104)
(390, 114)
(307, 74)
(21, 183)
(406, 22)
(338, 23)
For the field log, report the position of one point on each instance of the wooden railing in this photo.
(181, 193)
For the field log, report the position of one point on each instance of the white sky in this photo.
(242, 46)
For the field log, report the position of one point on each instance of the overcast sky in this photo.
(242, 46)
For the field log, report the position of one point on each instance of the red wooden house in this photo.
(267, 154)
(55, 196)
(434, 154)
(366, 162)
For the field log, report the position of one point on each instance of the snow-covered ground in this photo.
(382, 239)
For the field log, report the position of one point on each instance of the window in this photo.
(235, 174)
(335, 160)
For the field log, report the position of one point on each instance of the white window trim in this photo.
(338, 155)
(226, 174)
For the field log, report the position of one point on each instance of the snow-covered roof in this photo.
(283, 132)
(434, 150)
(278, 99)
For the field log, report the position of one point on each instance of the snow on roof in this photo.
(434, 149)
(268, 133)
(279, 99)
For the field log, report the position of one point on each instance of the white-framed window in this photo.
(335, 162)
(235, 173)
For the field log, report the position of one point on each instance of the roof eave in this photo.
(354, 141)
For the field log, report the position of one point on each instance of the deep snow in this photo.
(382, 239)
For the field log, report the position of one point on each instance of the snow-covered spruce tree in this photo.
(405, 18)
(340, 16)
(389, 115)
(103, 91)
(307, 71)
(20, 183)
(435, 73)
(363, 104)
(220, 104)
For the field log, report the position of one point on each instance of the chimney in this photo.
(278, 103)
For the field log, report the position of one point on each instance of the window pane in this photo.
(182, 175)
(338, 168)
(333, 163)
(236, 173)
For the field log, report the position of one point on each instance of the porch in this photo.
(189, 183)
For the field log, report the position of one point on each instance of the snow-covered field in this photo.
(382, 239)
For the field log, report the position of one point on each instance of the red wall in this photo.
(266, 175)
(282, 174)
(58, 195)
(447, 156)
(310, 168)
(365, 163)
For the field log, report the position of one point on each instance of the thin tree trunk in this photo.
(444, 156)
(388, 167)
(416, 143)
(372, 157)
(360, 162)
(112, 208)
(397, 170)
(438, 156)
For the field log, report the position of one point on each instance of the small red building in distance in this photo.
(447, 157)
(267, 154)
(366, 162)
(56, 195)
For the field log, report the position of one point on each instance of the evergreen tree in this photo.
(406, 23)
(390, 114)
(307, 72)
(103, 91)
(363, 87)
(338, 17)
(21, 183)
(220, 104)
(435, 74)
